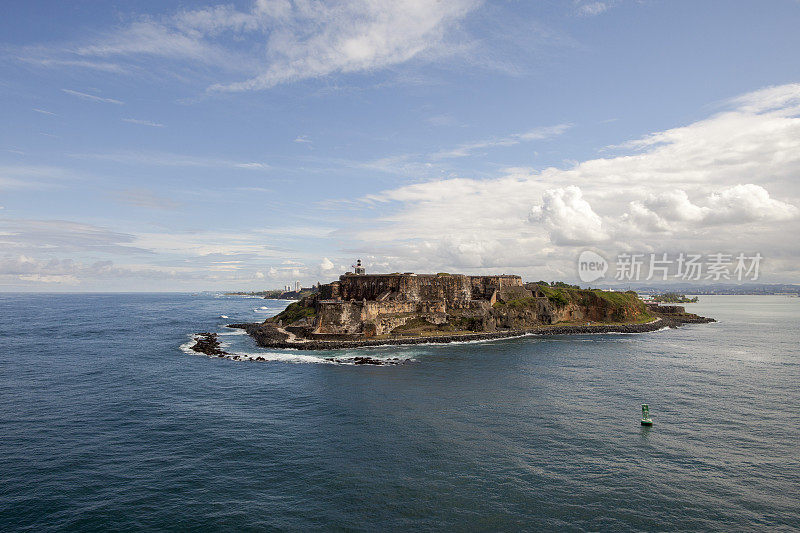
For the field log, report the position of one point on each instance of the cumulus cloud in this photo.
(741, 204)
(673, 205)
(568, 217)
(747, 203)
(326, 265)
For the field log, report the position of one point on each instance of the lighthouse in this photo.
(359, 270)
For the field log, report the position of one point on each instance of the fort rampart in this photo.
(378, 303)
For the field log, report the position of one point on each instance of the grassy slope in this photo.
(618, 302)
(295, 311)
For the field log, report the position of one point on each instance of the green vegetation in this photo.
(559, 297)
(619, 298)
(674, 298)
(623, 304)
(294, 312)
(557, 284)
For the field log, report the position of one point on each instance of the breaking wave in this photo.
(290, 356)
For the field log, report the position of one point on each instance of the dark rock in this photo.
(369, 361)
(208, 344)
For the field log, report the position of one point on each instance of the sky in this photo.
(184, 146)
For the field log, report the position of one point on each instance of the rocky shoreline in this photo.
(208, 343)
(270, 336)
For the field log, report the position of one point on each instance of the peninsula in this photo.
(375, 309)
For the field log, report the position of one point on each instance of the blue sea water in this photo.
(106, 423)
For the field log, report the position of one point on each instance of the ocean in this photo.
(107, 422)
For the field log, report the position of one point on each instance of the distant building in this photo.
(297, 286)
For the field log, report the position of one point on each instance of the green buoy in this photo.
(646, 420)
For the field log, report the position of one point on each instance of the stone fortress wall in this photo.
(375, 304)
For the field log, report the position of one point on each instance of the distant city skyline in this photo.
(157, 146)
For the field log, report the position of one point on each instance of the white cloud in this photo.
(298, 40)
(674, 205)
(590, 9)
(143, 122)
(92, 97)
(63, 236)
(728, 181)
(741, 204)
(568, 217)
(149, 37)
(166, 159)
(349, 36)
(747, 203)
(68, 272)
(69, 63)
(533, 135)
(326, 265)
(784, 99)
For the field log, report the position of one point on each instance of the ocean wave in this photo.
(223, 316)
(186, 346)
(280, 357)
(289, 356)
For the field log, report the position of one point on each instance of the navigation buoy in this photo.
(646, 420)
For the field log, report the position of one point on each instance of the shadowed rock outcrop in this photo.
(208, 343)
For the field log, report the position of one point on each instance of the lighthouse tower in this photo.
(359, 270)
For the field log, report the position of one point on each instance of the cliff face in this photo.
(596, 306)
(368, 306)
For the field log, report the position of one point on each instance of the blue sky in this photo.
(186, 146)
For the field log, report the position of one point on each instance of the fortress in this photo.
(369, 305)
(361, 309)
